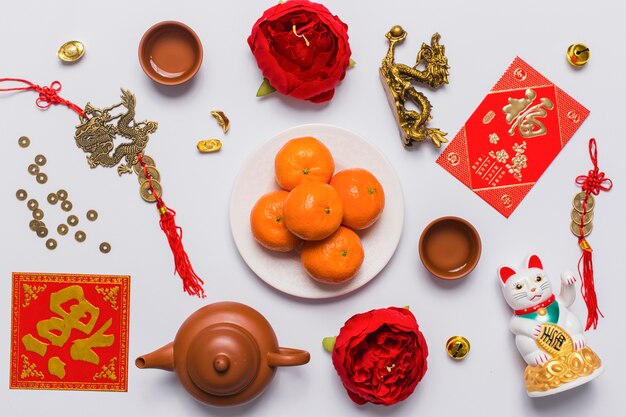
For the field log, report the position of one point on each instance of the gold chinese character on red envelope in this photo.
(70, 332)
(512, 137)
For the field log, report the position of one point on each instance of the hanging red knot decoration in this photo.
(47, 95)
(192, 283)
(592, 183)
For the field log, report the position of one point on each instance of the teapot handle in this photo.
(288, 357)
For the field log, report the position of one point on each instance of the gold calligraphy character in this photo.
(519, 161)
(520, 114)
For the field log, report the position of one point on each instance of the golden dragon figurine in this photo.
(398, 78)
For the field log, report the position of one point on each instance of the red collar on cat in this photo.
(535, 307)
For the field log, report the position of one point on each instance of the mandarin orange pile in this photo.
(318, 208)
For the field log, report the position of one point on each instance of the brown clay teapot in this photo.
(224, 354)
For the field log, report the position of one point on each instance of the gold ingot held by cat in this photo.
(578, 201)
(576, 217)
(575, 228)
(146, 193)
(222, 120)
(71, 51)
(209, 145)
(578, 54)
(457, 347)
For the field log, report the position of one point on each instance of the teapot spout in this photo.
(162, 358)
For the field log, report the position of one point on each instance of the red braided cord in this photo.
(192, 283)
(592, 183)
(47, 95)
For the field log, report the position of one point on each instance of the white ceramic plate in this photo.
(284, 271)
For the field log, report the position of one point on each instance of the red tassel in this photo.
(192, 283)
(588, 290)
(592, 183)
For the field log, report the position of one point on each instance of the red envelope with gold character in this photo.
(512, 137)
(69, 332)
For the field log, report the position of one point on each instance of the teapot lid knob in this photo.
(223, 359)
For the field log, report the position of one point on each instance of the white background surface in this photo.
(481, 39)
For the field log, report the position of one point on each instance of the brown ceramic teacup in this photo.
(449, 247)
(170, 53)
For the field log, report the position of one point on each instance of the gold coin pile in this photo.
(577, 217)
(143, 176)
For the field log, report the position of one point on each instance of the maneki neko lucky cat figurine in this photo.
(548, 336)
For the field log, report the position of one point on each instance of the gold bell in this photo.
(578, 54)
(457, 347)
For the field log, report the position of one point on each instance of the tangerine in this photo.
(268, 225)
(335, 259)
(303, 158)
(362, 197)
(313, 210)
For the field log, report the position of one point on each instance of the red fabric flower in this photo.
(302, 49)
(380, 356)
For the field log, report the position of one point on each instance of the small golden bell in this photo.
(458, 347)
(578, 54)
(71, 51)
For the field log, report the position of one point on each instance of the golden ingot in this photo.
(71, 51)
(578, 54)
(222, 120)
(457, 347)
(578, 202)
(152, 171)
(51, 244)
(21, 194)
(146, 193)
(575, 228)
(575, 215)
(209, 145)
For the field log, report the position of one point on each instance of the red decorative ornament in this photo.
(302, 49)
(48, 96)
(592, 183)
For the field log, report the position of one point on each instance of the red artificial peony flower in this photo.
(380, 356)
(302, 49)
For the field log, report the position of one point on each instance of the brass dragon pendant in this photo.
(97, 131)
(397, 80)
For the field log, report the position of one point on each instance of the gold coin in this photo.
(576, 216)
(33, 169)
(80, 236)
(62, 229)
(52, 198)
(578, 202)
(35, 224)
(32, 204)
(92, 215)
(42, 231)
(154, 174)
(21, 194)
(146, 193)
(62, 195)
(147, 159)
(40, 160)
(66, 205)
(72, 220)
(575, 228)
(105, 247)
(42, 178)
(51, 244)
(24, 142)
(209, 145)
(38, 214)
(457, 347)
(71, 51)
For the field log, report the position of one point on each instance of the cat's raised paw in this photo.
(579, 342)
(568, 278)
